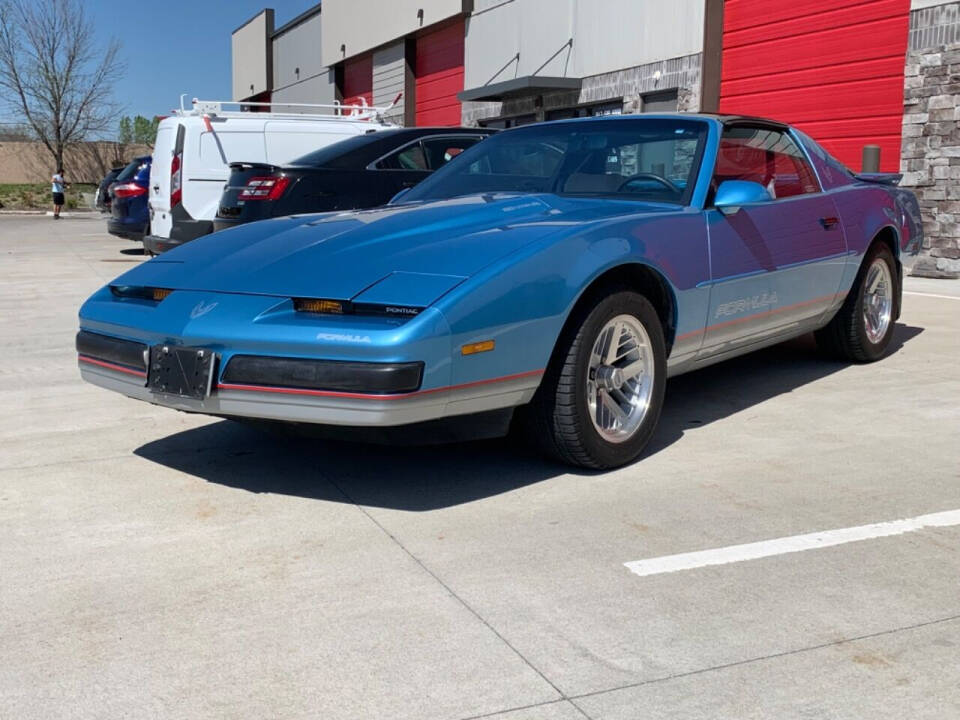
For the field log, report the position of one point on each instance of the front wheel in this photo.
(862, 328)
(600, 399)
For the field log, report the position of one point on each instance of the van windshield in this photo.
(650, 159)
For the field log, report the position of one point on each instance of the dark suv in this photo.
(129, 214)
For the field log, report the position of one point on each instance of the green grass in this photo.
(28, 196)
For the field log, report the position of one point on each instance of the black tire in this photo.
(845, 337)
(558, 418)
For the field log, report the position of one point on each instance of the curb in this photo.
(49, 213)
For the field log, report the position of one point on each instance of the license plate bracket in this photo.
(181, 371)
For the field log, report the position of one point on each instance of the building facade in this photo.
(281, 65)
(849, 72)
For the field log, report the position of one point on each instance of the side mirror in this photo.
(733, 193)
(399, 196)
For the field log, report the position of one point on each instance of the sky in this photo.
(177, 46)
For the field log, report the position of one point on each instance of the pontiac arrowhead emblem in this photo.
(201, 309)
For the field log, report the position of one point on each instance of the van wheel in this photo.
(862, 328)
(600, 400)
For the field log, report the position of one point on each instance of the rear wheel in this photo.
(600, 400)
(862, 328)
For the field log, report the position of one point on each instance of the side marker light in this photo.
(477, 347)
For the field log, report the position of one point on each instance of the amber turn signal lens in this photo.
(319, 306)
(160, 293)
(477, 347)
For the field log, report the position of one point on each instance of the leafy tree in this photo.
(125, 134)
(144, 130)
(139, 130)
(55, 75)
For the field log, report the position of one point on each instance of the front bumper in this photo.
(324, 389)
(322, 407)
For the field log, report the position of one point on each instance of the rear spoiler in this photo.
(880, 178)
(241, 165)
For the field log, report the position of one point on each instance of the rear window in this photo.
(339, 154)
(132, 171)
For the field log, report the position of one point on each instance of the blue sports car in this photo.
(552, 276)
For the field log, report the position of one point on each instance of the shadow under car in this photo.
(421, 478)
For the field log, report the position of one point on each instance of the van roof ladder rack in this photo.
(334, 111)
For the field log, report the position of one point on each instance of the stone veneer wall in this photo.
(681, 73)
(930, 157)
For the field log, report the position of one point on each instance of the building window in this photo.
(502, 123)
(610, 107)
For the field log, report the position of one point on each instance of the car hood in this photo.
(339, 255)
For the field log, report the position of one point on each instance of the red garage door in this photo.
(834, 68)
(358, 80)
(439, 71)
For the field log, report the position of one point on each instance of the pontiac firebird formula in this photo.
(554, 274)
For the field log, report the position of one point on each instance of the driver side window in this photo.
(768, 157)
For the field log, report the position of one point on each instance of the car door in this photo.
(775, 265)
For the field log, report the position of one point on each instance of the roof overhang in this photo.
(519, 87)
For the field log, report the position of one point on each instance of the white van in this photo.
(195, 146)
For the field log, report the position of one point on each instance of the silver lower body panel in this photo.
(330, 409)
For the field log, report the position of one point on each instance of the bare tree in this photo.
(54, 74)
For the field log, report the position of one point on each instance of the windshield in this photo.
(650, 159)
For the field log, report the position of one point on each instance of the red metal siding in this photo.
(358, 80)
(439, 73)
(833, 68)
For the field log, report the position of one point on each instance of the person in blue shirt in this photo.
(59, 185)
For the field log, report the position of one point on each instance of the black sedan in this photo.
(360, 172)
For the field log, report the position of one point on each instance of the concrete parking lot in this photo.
(159, 565)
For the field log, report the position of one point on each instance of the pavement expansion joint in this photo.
(453, 594)
(772, 656)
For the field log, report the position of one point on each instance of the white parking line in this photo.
(945, 297)
(792, 544)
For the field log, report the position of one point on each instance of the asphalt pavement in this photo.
(155, 564)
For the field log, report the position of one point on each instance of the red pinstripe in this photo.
(371, 396)
(110, 366)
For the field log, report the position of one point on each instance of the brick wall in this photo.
(30, 162)
(930, 157)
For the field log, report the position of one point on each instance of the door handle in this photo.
(829, 222)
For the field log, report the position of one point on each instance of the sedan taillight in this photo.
(126, 190)
(264, 188)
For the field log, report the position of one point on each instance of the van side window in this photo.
(768, 157)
